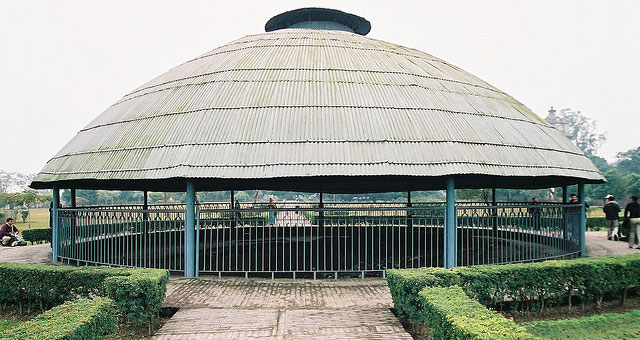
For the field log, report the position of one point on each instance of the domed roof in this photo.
(316, 110)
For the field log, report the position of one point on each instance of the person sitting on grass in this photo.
(9, 233)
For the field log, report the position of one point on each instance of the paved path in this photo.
(39, 253)
(280, 309)
(598, 245)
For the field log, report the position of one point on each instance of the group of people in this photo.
(631, 212)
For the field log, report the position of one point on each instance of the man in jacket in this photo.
(611, 210)
(8, 232)
(633, 210)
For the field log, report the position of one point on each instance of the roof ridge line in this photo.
(311, 142)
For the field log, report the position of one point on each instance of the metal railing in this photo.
(304, 238)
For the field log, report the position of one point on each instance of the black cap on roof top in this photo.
(319, 18)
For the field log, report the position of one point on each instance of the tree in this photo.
(24, 214)
(580, 129)
(633, 184)
(616, 185)
(599, 162)
(629, 161)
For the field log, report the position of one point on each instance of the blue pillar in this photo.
(583, 214)
(190, 232)
(450, 232)
(54, 223)
(566, 217)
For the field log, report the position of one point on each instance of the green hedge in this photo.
(37, 235)
(137, 293)
(599, 223)
(138, 296)
(405, 285)
(530, 285)
(612, 326)
(78, 319)
(451, 314)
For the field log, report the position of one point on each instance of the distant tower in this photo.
(557, 123)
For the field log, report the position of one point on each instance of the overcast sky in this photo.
(62, 63)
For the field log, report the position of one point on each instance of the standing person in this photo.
(534, 211)
(611, 210)
(8, 233)
(272, 214)
(573, 215)
(238, 215)
(633, 210)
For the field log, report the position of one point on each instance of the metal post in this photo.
(565, 217)
(72, 221)
(494, 212)
(321, 212)
(583, 212)
(450, 232)
(145, 205)
(189, 231)
(231, 207)
(54, 223)
(409, 217)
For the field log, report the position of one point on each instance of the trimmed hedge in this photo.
(588, 280)
(599, 223)
(73, 320)
(137, 293)
(600, 326)
(451, 314)
(138, 296)
(405, 285)
(37, 235)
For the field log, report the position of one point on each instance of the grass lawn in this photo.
(597, 327)
(39, 219)
(7, 324)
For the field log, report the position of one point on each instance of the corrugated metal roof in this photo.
(309, 103)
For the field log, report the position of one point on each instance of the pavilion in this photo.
(313, 105)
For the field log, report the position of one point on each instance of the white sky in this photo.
(62, 63)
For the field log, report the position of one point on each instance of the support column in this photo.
(583, 214)
(190, 232)
(321, 213)
(73, 216)
(409, 215)
(145, 205)
(231, 207)
(450, 226)
(54, 223)
(566, 218)
(494, 212)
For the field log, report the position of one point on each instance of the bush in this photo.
(405, 285)
(451, 314)
(78, 319)
(37, 235)
(602, 326)
(44, 286)
(596, 223)
(138, 296)
(588, 280)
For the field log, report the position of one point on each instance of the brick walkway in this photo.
(280, 309)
